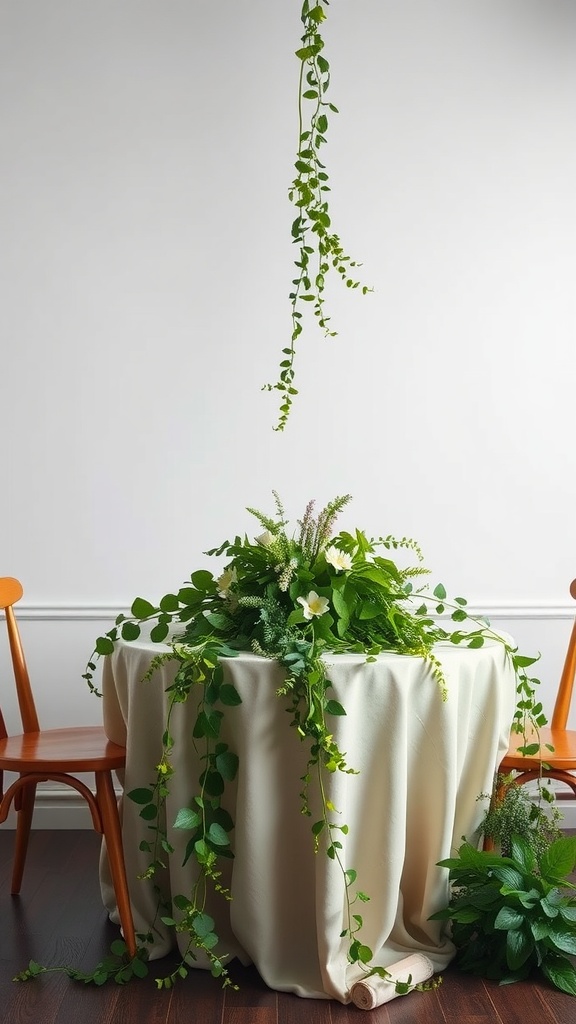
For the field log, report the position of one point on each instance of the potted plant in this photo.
(513, 915)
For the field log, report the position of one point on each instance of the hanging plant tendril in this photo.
(319, 248)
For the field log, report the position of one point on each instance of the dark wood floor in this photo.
(59, 919)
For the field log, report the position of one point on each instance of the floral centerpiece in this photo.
(293, 597)
(290, 596)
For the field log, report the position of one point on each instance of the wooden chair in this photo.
(58, 755)
(560, 763)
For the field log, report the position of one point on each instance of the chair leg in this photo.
(106, 798)
(498, 794)
(25, 805)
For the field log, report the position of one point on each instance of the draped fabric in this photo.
(420, 762)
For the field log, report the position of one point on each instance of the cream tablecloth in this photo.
(422, 765)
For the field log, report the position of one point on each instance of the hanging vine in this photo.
(319, 248)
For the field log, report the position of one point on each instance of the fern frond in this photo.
(266, 521)
(403, 542)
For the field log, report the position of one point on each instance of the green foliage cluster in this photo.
(290, 597)
(118, 966)
(208, 823)
(514, 813)
(319, 248)
(514, 915)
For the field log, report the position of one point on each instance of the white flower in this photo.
(338, 559)
(226, 580)
(313, 604)
(265, 539)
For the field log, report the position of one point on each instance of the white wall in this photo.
(145, 263)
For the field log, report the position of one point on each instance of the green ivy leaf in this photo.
(212, 782)
(227, 764)
(217, 835)
(139, 968)
(203, 924)
(141, 796)
(104, 646)
(187, 819)
(229, 695)
(130, 631)
(561, 973)
(333, 707)
(159, 632)
(207, 724)
(203, 580)
(149, 812)
(142, 609)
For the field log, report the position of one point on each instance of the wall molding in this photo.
(57, 809)
(70, 612)
(65, 809)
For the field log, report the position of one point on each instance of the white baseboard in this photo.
(568, 810)
(61, 809)
(57, 809)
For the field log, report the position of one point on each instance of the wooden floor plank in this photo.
(416, 1008)
(199, 998)
(250, 990)
(561, 1007)
(249, 1015)
(519, 1003)
(464, 1000)
(347, 1013)
(295, 1010)
(59, 917)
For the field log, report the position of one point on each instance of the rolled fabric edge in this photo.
(374, 991)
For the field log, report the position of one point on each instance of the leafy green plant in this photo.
(118, 966)
(291, 598)
(513, 812)
(319, 249)
(513, 915)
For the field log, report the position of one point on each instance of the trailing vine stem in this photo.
(529, 716)
(205, 818)
(294, 599)
(319, 248)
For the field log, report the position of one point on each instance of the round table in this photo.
(422, 764)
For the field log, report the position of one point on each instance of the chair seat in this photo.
(563, 756)
(83, 749)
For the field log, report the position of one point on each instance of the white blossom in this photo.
(265, 539)
(313, 604)
(338, 559)
(225, 581)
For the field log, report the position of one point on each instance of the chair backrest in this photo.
(566, 685)
(10, 592)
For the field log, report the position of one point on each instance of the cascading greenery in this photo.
(515, 915)
(291, 598)
(319, 249)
